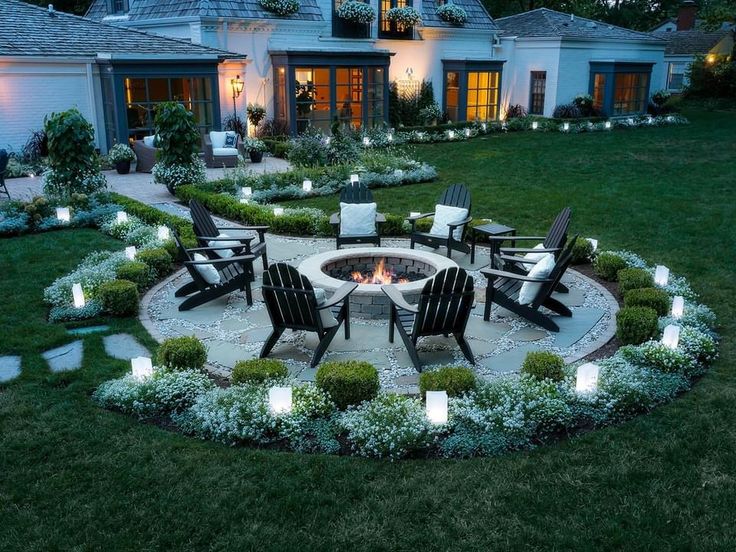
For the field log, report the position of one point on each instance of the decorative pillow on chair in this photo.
(207, 271)
(444, 215)
(231, 140)
(535, 257)
(357, 219)
(151, 141)
(224, 253)
(542, 269)
(217, 138)
(328, 321)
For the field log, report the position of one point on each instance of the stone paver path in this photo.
(9, 368)
(65, 358)
(124, 347)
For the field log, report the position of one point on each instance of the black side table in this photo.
(495, 233)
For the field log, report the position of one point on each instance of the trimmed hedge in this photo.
(456, 380)
(118, 297)
(348, 383)
(136, 272)
(635, 325)
(607, 266)
(158, 259)
(544, 365)
(258, 370)
(633, 278)
(651, 297)
(182, 353)
(582, 251)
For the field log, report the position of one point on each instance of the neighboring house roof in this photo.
(690, 42)
(233, 9)
(545, 23)
(478, 17)
(27, 30)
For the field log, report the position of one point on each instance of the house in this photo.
(686, 40)
(556, 56)
(52, 61)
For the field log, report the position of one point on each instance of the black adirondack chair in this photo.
(444, 308)
(3, 167)
(207, 231)
(236, 273)
(456, 195)
(355, 192)
(503, 289)
(292, 304)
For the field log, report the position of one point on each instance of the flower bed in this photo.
(283, 8)
(356, 11)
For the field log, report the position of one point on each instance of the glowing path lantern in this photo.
(246, 191)
(566, 126)
(142, 367)
(451, 134)
(594, 243)
(130, 252)
(354, 178)
(63, 214)
(121, 217)
(78, 296)
(671, 336)
(586, 380)
(467, 133)
(661, 275)
(535, 125)
(678, 306)
(366, 141)
(608, 125)
(280, 399)
(164, 233)
(437, 407)
(278, 211)
(307, 185)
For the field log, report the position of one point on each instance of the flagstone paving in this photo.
(9, 368)
(124, 347)
(65, 358)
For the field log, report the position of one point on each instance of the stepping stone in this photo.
(124, 347)
(65, 358)
(575, 298)
(573, 329)
(227, 354)
(407, 380)
(480, 347)
(9, 368)
(528, 334)
(510, 361)
(486, 331)
(363, 338)
(88, 330)
(307, 374)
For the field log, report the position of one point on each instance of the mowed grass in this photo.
(75, 477)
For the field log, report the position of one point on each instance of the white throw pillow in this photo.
(535, 257)
(357, 219)
(444, 215)
(224, 253)
(223, 152)
(542, 269)
(217, 139)
(207, 271)
(149, 140)
(328, 321)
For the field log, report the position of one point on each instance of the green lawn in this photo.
(75, 477)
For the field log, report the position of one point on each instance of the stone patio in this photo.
(233, 331)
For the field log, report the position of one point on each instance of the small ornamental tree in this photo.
(72, 157)
(178, 144)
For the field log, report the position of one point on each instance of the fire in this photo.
(380, 275)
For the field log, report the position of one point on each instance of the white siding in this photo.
(525, 57)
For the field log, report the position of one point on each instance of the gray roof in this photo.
(689, 42)
(546, 23)
(478, 17)
(233, 9)
(27, 30)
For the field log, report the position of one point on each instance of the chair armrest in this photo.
(244, 240)
(380, 218)
(339, 296)
(335, 219)
(519, 238)
(492, 274)
(423, 215)
(529, 250)
(214, 248)
(243, 228)
(460, 222)
(397, 299)
(223, 261)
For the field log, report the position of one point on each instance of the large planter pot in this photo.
(255, 156)
(123, 167)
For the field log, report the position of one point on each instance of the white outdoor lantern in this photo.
(414, 214)
(280, 399)
(586, 380)
(661, 275)
(307, 185)
(366, 141)
(437, 407)
(398, 172)
(678, 306)
(164, 233)
(63, 214)
(535, 125)
(608, 125)
(246, 191)
(565, 126)
(451, 134)
(142, 367)
(121, 217)
(278, 211)
(594, 243)
(484, 126)
(390, 137)
(354, 178)
(328, 139)
(78, 296)
(671, 336)
(467, 133)
(130, 252)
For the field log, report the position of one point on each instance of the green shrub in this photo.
(118, 297)
(651, 297)
(135, 271)
(635, 325)
(258, 370)
(456, 380)
(582, 251)
(158, 259)
(608, 264)
(347, 383)
(633, 278)
(544, 365)
(182, 353)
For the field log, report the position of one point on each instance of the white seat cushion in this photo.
(357, 219)
(328, 321)
(149, 140)
(535, 257)
(207, 271)
(542, 269)
(444, 215)
(224, 253)
(222, 152)
(217, 139)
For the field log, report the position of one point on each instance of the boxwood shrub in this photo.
(182, 353)
(348, 383)
(651, 297)
(633, 278)
(582, 251)
(544, 365)
(118, 297)
(157, 258)
(136, 272)
(258, 370)
(608, 264)
(456, 380)
(635, 325)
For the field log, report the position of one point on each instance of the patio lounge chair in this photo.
(453, 230)
(504, 289)
(3, 167)
(293, 303)
(356, 193)
(208, 234)
(145, 154)
(217, 154)
(444, 308)
(212, 278)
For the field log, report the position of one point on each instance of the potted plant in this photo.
(406, 16)
(120, 156)
(430, 114)
(255, 149)
(256, 113)
(356, 11)
(452, 14)
(284, 8)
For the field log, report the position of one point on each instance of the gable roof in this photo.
(28, 30)
(478, 17)
(140, 10)
(546, 23)
(690, 42)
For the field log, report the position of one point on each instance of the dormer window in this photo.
(117, 7)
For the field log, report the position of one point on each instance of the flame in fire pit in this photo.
(379, 275)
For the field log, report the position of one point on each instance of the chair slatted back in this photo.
(202, 220)
(445, 303)
(289, 298)
(186, 256)
(557, 235)
(456, 195)
(4, 157)
(561, 264)
(356, 192)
